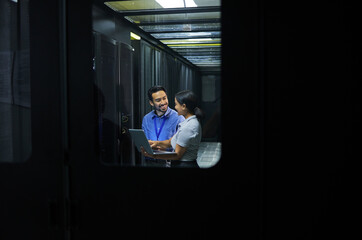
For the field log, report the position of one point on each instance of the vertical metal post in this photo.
(261, 114)
(64, 114)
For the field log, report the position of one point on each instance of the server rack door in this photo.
(114, 93)
(106, 92)
(126, 102)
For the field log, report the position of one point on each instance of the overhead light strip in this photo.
(135, 36)
(176, 3)
(194, 45)
(168, 11)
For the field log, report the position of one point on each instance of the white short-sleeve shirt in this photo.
(188, 135)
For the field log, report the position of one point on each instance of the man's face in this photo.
(160, 101)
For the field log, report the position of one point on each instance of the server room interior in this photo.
(130, 58)
(287, 176)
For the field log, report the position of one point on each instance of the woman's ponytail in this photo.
(199, 113)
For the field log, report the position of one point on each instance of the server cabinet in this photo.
(114, 99)
(105, 82)
(126, 101)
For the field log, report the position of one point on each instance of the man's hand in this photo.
(154, 144)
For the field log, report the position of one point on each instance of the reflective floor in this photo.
(209, 154)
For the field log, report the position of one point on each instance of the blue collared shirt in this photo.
(169, 127)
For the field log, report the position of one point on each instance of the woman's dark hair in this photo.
(153, 90)
(189, 98)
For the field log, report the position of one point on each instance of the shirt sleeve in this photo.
(180, 119)
(144, 127)
(186, 137)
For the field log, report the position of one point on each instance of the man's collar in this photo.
(167, 113)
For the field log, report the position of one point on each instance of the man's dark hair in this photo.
(153, 90)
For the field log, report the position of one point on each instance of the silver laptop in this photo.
(139, 139)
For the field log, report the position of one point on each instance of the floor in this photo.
(209, 154)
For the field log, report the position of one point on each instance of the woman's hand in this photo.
(144, 153)
(155, 145)
(160, 145)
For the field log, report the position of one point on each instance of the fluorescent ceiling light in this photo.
(198, 34)
(190, 3)
(135, 36)
(171, 3)
(189, 40)
(201, 39)
(176, 3)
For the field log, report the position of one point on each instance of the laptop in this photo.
(139, 139)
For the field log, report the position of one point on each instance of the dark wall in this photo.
(310, 105)
(308, 127)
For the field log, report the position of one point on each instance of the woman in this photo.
(187, 139)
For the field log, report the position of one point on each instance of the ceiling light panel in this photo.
(176, 3)
(183, 35)
(188, 41)
(182, 27)
(157, 4)
(159, 18)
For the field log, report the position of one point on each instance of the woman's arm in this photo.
(180, 151)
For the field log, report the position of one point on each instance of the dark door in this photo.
(32, 199)
(114, 97)
(126, 102)
(106, 80)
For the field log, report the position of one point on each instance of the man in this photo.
(161, 123)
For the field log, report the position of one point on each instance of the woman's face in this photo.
(181, 109)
